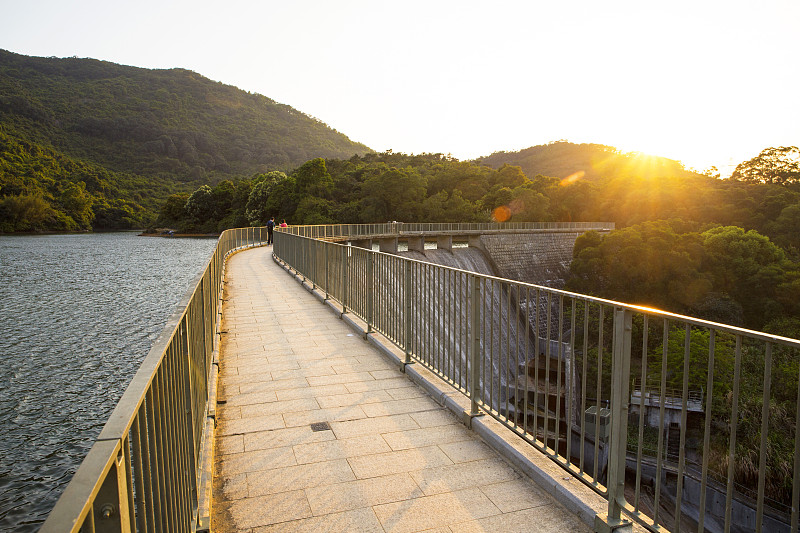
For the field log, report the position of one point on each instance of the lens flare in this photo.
(572, 178)
(501, 214)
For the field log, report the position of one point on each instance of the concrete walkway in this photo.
(317, 431)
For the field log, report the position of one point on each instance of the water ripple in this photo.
(80, 313)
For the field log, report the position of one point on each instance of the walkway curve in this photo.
(317, 431)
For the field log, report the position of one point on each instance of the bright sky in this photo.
(706, 82)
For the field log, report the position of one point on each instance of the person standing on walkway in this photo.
(270, 227)
(284, 224)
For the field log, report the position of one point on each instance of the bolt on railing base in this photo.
(604, 524)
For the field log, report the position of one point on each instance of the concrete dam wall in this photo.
(538, 258)
(510, 316)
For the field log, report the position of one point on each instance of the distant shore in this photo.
(173, 235)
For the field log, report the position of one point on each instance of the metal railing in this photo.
(144, 471)
(357, 231)
(579, 354)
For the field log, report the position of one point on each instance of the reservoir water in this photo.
(79, 314)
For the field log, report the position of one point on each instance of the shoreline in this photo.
(174, 235)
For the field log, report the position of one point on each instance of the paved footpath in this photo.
(317, 431)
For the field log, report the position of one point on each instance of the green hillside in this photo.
(148, 133)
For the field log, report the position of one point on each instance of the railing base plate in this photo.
(604, 524)
(466, 418)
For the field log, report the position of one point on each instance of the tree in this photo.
(313, 179)
(25, 213)
(198, 206)
(747, 266)
(173, 211)
(77, 204)
(650, 264)
(509, 176)
(780, 166)
(394, 194)
(256, 209)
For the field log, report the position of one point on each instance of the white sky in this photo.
(705, 82)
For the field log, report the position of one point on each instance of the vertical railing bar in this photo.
(538, 362)
(168, 474)
(407, 314)
(525, 374)
(598, 392)
(126, 457)
(559, 354)
(460, 328)
(664, 357)
(687, 343)
(508, 342)
(344, 279)
(451, 340)
(163, 460)
(182, 422)
(439, 316)
(138, 470)
(618, 405)
(181, 487)
(707, 430)
(571, 379)
(476, 345)
(144, 500)
(326, 247)
(762, 464)
(431, 342)
(642, 388)
(584, 382)
(493, 315)
(732, 440)
(152, 462)
(467, 326)
(370, 290)
(517, 314)
(170, 406)
(177, 435)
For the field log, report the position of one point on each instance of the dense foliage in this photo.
(43, 190)
(140, 134)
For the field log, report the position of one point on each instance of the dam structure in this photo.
(355, 378)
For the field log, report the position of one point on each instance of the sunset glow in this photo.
(470, 78)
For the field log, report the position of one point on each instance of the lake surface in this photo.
(79, 314)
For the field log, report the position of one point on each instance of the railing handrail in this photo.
(651, 311)
(342, 231)
(386, 281)
(144, 471)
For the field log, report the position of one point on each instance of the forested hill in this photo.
(591, 161)
(174, 122)
(81, 138)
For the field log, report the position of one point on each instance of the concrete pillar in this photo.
(476, 241)
(388, 245)
(362, 243)
(444, 242)
(416, 244)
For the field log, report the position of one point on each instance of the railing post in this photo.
(407, 311)
(326, 246)
(370, 290)
(475, 345)
(344, 279)
(313, 259)
(620, 395)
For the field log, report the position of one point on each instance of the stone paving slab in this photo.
(317, 431)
